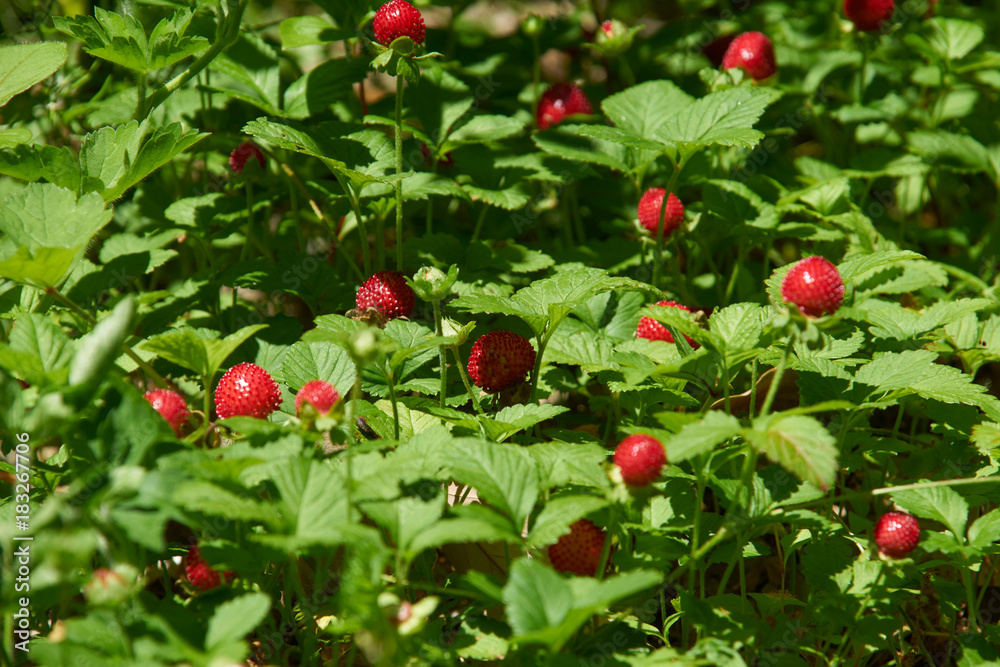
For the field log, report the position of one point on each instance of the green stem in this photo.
(225, 37)
(362, 230)
(606, 549)
(399, 174)
(442, 355)
(390, 376)
(465, 380)
(930, 485)
(772, 391)
(140, 97)
(479, 223)
(970, 597)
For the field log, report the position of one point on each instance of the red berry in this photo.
(318, 393)
(650, 329)
(397, 18)
(869, 15)
(640, 459)
(897, 534)
(815, 286)
(499, 360)
(388, 293)
(202, 575)
(238, 158)
(558, 102)
(246, 390)
(649, 211)
(754, 53)
(171, 407)
(608, 28)
(579, 551)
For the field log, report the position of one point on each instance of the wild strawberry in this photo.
(897, 534)
(397, 18)
(318, 393)
(650, 329)
(246, 390)
(106, 588)
(649, 211)
(754, 53)
(238, 158)
(640, 459)
(558, 102)
(869, 15)
(499, 360)
(171, 407)
(815, 286)
(608, 27)
(388, 293)
(579, 551)
(202, 575)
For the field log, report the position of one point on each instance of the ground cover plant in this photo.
(599, 333)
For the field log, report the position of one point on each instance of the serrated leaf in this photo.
(985, 530)
(562, 463)
(800, 444)
(236, 618)
(97, 351)
(503, 475)
(483, 129)
(565, 142)
(937, 503)
(954, 39)
(851, 269)
(309, 30)
(307, 361)
(957, 152)
(643, 109)
(702, 436)
(722, 118)
(558, 514)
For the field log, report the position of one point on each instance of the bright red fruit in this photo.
(499, 360)
(815, 286)
(869, 15)
(897, 534)
(397, 18)
(238, 158)
(649, 211)
(754, 53)
(202, 575)
(640, 459)
(579, 551)
(608, 27)
(558, 102)
(318, 393)
(650, 329)
(388, 293)
(246, 390)
(171, 407)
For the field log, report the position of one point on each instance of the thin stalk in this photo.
(465, 380)
(606, 549)
(986, 583)
(392, 399)
(399, 174)
(970, 598)
(930, 485)
(772, 391)
(442, 355)
(140, 97)
(479, 223)
(362, 230)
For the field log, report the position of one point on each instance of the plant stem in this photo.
(365, 251)
(392, 399)
(399, 173)
(772, 391)
(140, 98)
(479, 223)
(442, 355)
(929, 485)
(465, 380)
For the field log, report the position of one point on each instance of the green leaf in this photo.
(24, 65)
(985, 531)
(558, 514)
(217, 351)
(307, 361)
(957, 152)
(503, 475)
(914, 372)
(855, 267)
(565, 142)
(536, 597)
(323, 86)
(43, 341)
(702, 436)
(517, 418)
(723, 118)
(309, 30)
(937, 503)
(236, 618)
(183, 347)
(739, 326)
(483, 129)
(954, 39)
(563, 463)
(41, 267)
(12, 137)
(644, 109)
(800, 444)
(37, 162)
(97, 351)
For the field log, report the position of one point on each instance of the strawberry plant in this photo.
(598, 333)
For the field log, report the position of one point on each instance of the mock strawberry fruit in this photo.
(869, 15)
(897, 534)
(752, 52)
(238, 158)
(246, 390)
(650, 329)
(397, 18)
(650, 205)
(202, 575)
(558, 102)
(499, 360)
(579, 551)
(318, 393)
(815, 286)
(388, 293)
(640, 459)
(171, 407)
